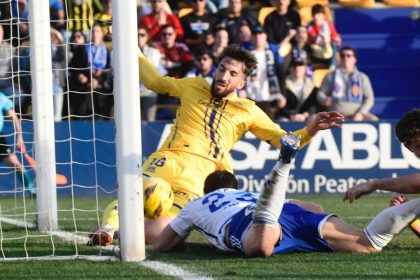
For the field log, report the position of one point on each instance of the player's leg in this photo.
(12, 161)
(155, 166)
(110, 224)
(391, 221)
(344, 237)
(309, 206)
(264, 232)
(380, 231)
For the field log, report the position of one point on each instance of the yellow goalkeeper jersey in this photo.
(208, 126)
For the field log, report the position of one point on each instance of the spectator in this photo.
(154, 21)
(300, 47)
(347, 90)
(282, 23)
(79, 17)
(57, 14)
(177, 60)
(233, 18)
(79, 77)
(323, 38)
(7, 53)
(105, 17)
(96, 51)
(300, 94)
(6, 18)
(245, 36)
(221, 41)
(97, 54)
(204, 66)
(198, 26)
(20, 15)
(20, 91)
(263, 85)
(149, 98)
(176, 57)
(58, 67)
(280, 26)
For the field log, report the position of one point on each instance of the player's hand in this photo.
(358, 191)
(325, 120)
(398, 200)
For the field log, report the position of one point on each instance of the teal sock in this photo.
(27, 182)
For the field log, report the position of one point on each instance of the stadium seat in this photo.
(402, 3)
(318, 76)
(357, 3)
(184, 11)
(306, 14)
(310, 3)
(264, 12)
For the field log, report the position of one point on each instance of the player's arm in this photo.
(266, 130)
(18, 129)
(176, 231)
(409, 184)
(152, 80)
(167, 240)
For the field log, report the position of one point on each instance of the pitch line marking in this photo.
(162, 268)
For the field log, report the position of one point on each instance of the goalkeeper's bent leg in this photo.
(390, 222)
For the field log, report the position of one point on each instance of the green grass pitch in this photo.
(400, 260)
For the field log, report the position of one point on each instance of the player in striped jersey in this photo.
(209, 121)
(267, 224)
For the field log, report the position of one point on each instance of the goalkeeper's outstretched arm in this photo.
(151, 78)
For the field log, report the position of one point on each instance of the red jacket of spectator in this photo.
(177, 60)
(314, 30)
(150, 22)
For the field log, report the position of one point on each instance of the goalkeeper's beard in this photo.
(220, 94)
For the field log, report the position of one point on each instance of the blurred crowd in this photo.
(303, 65)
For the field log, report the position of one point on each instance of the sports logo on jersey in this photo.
(236, 243)
(215, 106)
(249, 209)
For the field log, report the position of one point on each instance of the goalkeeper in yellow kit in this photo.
(209, 121)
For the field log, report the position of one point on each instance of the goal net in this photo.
(55, 186)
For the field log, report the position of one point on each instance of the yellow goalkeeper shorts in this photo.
(184, 172)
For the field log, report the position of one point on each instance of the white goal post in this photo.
(43, 116)
(128, 137)
(57, 220)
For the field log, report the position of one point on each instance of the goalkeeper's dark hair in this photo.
(409, 126)
(240, 54)
(220, 179)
